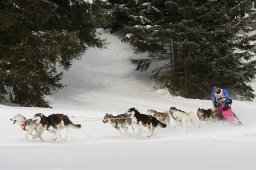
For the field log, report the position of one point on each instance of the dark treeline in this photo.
(36, 37)
(197, 42)
(192, 43)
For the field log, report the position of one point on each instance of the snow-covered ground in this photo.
(104, 81)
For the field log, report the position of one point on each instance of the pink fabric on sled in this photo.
(227, 114)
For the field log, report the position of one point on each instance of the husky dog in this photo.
(161, 116)
(213, 115)
(181, 117)
(209, 114)
(146, 120)
(121, 121)
(54, 122)
(28, 125)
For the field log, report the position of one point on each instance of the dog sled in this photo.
(225, 113)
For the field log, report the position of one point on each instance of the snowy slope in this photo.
(104, 81)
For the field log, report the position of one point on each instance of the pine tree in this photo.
(194, 43)
(37, 37)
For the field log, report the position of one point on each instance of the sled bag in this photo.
(227, 114)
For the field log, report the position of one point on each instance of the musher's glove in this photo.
(229, 102)
(227, 105)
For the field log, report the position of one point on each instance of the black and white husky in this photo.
(181, 117)
(28, 125)
(146, 120)
(54, 123)
(121, 121)
(208, 115)
(161, 116)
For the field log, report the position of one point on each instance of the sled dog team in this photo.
(53, 123)
(153, 119)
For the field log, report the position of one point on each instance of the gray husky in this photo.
(121, 121)
(163, 117)
(29, 125)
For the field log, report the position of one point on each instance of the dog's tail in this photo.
(67, 122)
(76, 126)
(162, 124)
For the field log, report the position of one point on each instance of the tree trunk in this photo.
(186, 72)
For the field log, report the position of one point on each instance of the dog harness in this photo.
(148, 122)
(23, 126)
(57, 115)
(150, 119)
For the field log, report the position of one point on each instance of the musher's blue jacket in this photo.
(225, 97)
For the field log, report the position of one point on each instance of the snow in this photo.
(149, 26)
(104, 81)
(128, 36)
